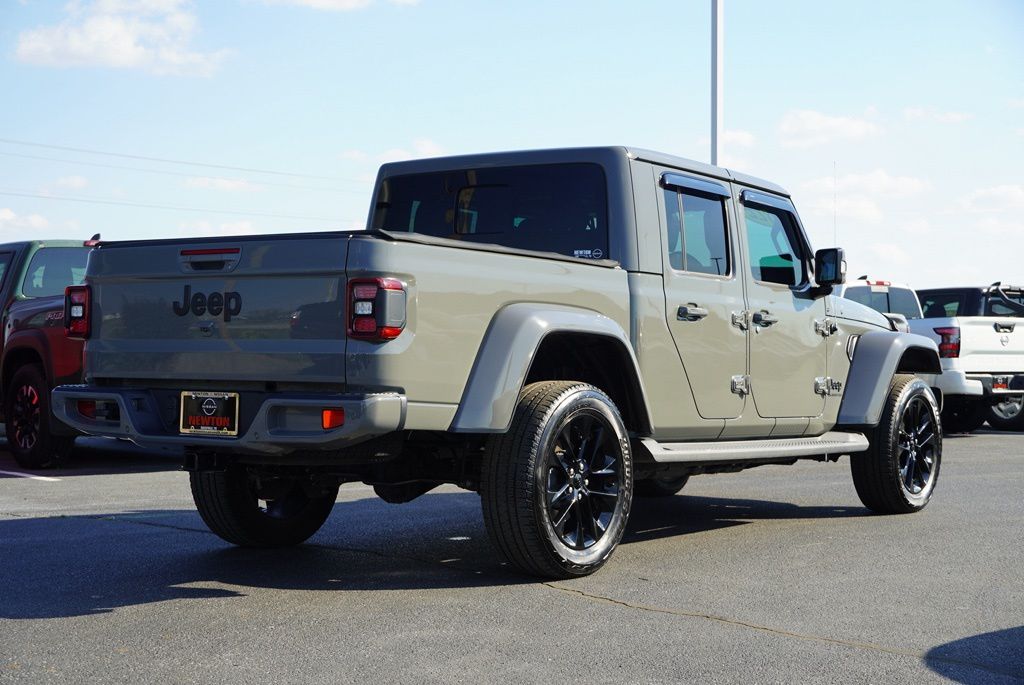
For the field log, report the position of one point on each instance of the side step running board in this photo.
(834, 442)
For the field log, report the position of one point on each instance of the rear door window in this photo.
(52, 269)
(559, 208)
(697, 235)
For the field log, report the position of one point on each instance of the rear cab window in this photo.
(561, 208)
(885, 299)
(944, 304)
(52, 269)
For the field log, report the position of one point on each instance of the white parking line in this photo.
(29, 475)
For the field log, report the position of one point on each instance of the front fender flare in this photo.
(876, 360)
(507, 352)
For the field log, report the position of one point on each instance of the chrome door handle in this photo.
(763, 319)
(691, 312)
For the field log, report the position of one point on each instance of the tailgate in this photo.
(254, 308)
(991, 344)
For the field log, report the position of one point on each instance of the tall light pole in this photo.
(717, 52)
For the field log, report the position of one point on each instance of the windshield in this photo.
(886, 300)
(559, 208)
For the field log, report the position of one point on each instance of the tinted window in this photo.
(904, 301)
(866, 296)
(5, 263)
(996, 306)
(554, 208)
(772, 238)
(54, 268)
(939, 305)
(697, 239)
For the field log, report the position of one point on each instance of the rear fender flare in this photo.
(507, 352)
(878, 356)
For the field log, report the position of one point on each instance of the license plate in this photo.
(212, 414)
(1001, 383)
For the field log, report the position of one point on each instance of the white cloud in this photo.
(231, 185)
(421, 147)
(807, 128)
(738, 138)
(336, 5)
(153, 35)
(1019, 131)
(15, 226)
(996, 199)
(72, 182)
(855, 208)
(1016, 103)
(929, 114)
(877, 182)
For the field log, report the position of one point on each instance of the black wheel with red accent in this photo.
(29, 422)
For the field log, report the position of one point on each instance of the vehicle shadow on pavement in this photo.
(84, 565)
(975, 659)
(97, 456)
(660, 517)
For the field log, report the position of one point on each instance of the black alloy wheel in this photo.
(918, 441)
(28, 422)
(899, 471)
(557, 487)
(25, 417)
(583, 475)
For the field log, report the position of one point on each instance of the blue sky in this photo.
(897, 126)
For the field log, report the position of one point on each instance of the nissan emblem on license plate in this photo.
(213, 414)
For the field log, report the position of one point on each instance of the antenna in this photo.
(835, 205)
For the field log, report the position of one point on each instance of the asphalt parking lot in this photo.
(776, 574)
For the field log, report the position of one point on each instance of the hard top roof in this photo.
(577, 154)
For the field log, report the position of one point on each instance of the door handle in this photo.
(763, 319)
(691, 312)
(1003, 327)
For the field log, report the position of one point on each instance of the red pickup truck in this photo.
(36, 355)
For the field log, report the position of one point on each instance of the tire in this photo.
(898, 473)
(660, 487)
(963, 416)
(556, 489)
(28, 421)
(1008, 415)
(230, 505)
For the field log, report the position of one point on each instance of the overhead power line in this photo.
(181, 174)
(163, 160)
(179, 208)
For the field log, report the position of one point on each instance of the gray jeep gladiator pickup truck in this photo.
(557, 330)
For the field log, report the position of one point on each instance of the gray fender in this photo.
(507, 352)
(875, 360)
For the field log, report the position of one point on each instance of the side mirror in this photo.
(830, 266)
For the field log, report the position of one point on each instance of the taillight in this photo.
(950, 344)
(376, 308)
(77, 303)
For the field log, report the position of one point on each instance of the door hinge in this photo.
(827, 386)
(740, 385)
(740, 320)
(826, 328)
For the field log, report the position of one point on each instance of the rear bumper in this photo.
(977, 385)
(283, 422)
